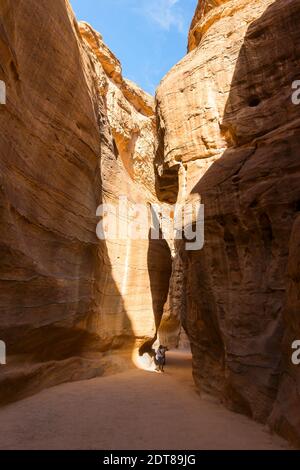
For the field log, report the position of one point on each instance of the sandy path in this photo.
(132, 410)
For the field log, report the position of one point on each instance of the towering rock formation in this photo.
(50, 148)
(229, 130)
(140, 268)
(74, 134)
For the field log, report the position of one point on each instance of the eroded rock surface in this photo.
(227, 123)
(74, 134)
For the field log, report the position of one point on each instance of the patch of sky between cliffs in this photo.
(147, 36)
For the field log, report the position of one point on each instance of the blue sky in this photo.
(148, 36)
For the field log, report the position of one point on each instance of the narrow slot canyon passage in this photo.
(131, 410)
(82, 314)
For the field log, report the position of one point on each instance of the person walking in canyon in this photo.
(161, 358)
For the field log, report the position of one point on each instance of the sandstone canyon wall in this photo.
(74, 134)
(140, 268)
(223, 131)
(227, 126)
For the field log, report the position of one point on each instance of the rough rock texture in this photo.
(202, 21)
(74, 134)
(50, 189)
(140, 269)
(228, 128)
(130, 110)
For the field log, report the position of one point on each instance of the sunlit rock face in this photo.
(74, 134)
(226, 122)
(130, 110)
(203, 18)
(140, 269)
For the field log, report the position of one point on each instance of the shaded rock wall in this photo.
(50, 189)
(230, 127)
(74, 134)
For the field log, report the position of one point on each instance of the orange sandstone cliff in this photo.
(223, 130)
(229, 130)
(74, 134)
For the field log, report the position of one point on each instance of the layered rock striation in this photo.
(74, 134)
(228, 125)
